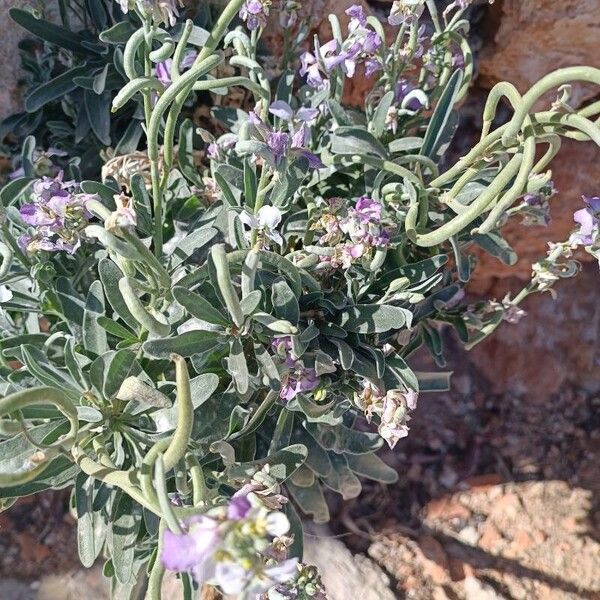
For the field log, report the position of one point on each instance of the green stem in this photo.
(220, 28)
(157, 573)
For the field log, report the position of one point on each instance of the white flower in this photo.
(5, 294)
(265, 221)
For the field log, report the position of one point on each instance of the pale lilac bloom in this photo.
(57, 213)
(254, 13)
(372, 66)
(265, 221)
(368, 209)
(588, 221)
(309, 68)
(194, 550)
(280, 145)
(408, 96)
(298, 381)
(358, 18)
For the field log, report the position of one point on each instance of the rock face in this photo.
(343, 574)
(529, 38)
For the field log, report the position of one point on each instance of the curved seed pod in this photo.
(200, 492)
(7, 258)
(169, 95)
(44, 395)
(452, 227)
(378, 259)
(128, 289)
(517, 189)
(157, 574)
(112, 242)
(219, 257)
(499, 91)
(129, 90)
(180, 49)
(177, 447)
(166, 48)
(130, 52)
(209, 84)
(160, 485)
(554, 143)
(547, 83)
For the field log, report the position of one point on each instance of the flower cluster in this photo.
(276, 146)
(392, 407)
(306, 586)
(405, 11)
(161, 11)
(240, 547)
(353, 234)
(361, 45)
(57, 213)
(255, 13)
(535, 207)
(297, 378)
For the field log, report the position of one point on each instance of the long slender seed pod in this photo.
(452, 227)
(219, 257)
(128, 288)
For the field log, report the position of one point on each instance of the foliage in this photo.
(226, 318)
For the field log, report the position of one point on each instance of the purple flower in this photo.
(358, 18)
(309, 68)
(239, 505)
(56, 213)
(408, 96)
(368, 210)
(372, 66)
(298, 381)
(192, 551)
(279, 145)
(371, 42)
(587, 218)
(254, 13)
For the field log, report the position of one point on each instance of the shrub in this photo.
(216, 328)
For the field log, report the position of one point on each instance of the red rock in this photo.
(491, 538)
(484, 482)
(520, 29)
(446, 509)
(434, 559)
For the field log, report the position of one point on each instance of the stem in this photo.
(220, 29)
(158, 570)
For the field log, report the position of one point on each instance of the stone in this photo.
(477, 590)
(345, 574)
(433, 558)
